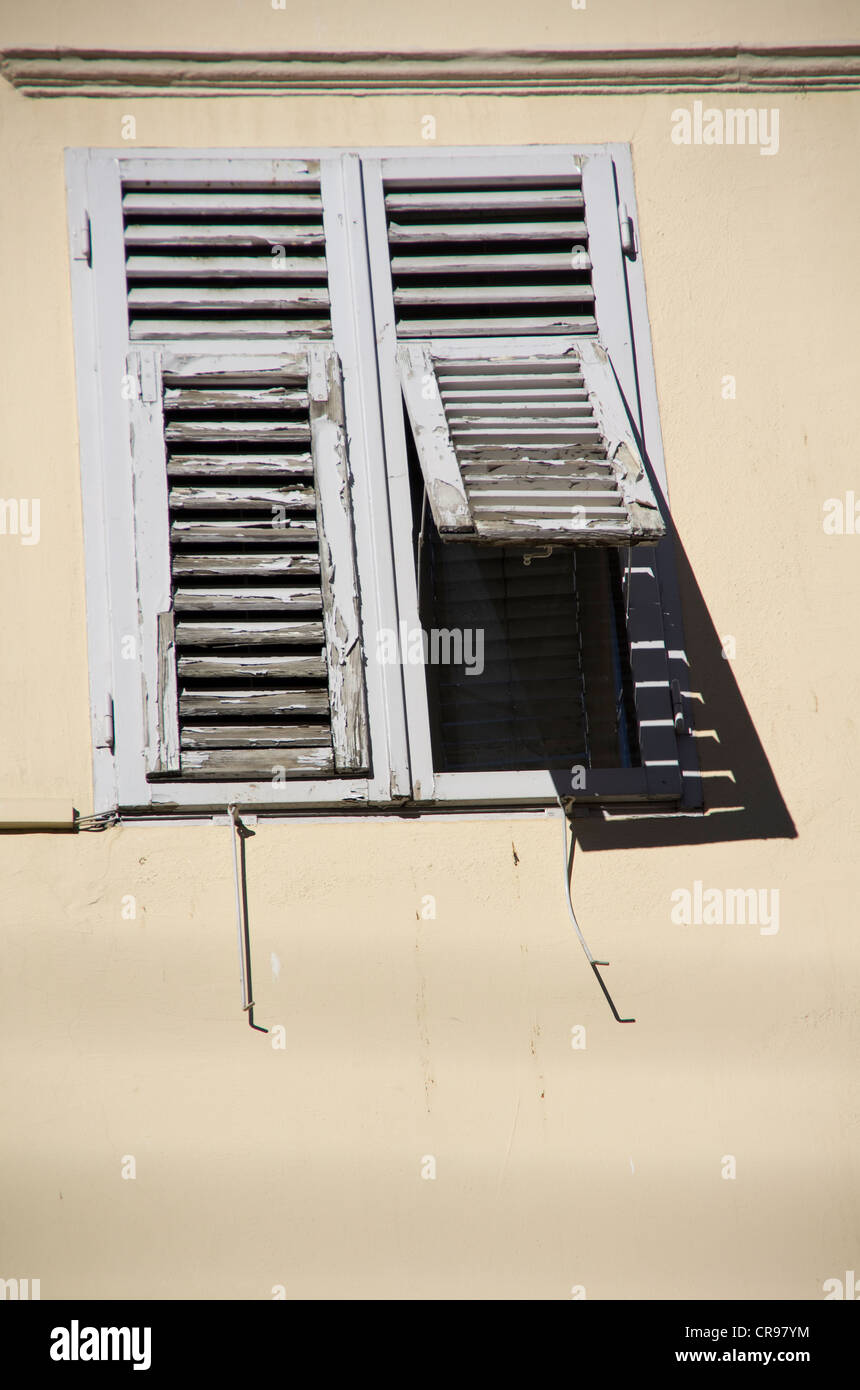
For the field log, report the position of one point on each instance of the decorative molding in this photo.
(61, 72)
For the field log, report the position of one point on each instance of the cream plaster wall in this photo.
(451, 1037)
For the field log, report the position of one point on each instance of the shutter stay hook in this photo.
(240, 833)
(568, 868)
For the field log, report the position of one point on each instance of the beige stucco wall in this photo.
(451, 1037)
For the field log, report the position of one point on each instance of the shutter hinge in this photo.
(143, 366)
(628, 238)
(83, 242)
(677, 708)
(104, 729)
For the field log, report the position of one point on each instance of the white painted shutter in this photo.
(256, 671)
(525, 449)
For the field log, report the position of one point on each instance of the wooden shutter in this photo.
(258, 670)
(520, 449)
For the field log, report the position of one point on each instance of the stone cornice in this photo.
(61, 72)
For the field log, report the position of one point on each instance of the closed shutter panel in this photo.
(259, 671)
(528, 450)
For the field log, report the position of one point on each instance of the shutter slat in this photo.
(546, 412)
(524, 372)
(258, 736)
(481, 200)
(528, 454)
(257, 764)
(494, 294)
(237, 430)
(232, 465)
(252, 704)
(480, 478)
(236, 234)
(483, 264)
(245, 299)
(242, 498)
(164, 203)
(260, 566)
(235, 532)
(537, 434)
(545, 530)
(211, 600)
(295, 667)
(410, 234)
(504, 396)
(231, 398)
(248, 634)
(182, 327)
(498, 497)
(500, 327)
(139, 267)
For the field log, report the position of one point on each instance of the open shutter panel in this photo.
(258, 669)
(527, 449)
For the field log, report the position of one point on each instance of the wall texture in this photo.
(451, 1037)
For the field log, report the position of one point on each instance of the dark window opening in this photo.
(531, 668)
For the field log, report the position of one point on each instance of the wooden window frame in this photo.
(364, 338)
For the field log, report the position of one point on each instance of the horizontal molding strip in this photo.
(61, 72)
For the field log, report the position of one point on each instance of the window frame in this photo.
(363, 335)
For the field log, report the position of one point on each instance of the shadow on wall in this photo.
(741, 798)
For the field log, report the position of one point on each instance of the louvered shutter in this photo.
(527, 449)
(518, 444)
(258, 662)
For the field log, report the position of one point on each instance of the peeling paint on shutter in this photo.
(264, 644)
(531, 449)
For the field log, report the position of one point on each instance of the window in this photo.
(373, 488)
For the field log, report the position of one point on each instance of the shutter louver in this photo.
(477, 260)
(217, 261)
(527, 449)
(266, 687)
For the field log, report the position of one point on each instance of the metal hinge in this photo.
(143, 366)
(104, 728)
(678, 721)
(83, 250)
(628, 239)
